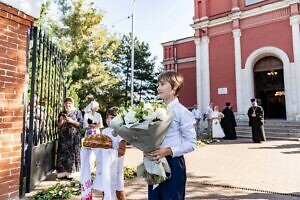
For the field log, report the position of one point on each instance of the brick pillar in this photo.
(14, 26)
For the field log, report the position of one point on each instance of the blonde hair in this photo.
(174, 78)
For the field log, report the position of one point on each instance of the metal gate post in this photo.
(32, 102)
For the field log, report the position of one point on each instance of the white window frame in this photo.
(250, 2)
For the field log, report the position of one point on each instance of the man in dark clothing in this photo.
(256, 121)
(228, 123)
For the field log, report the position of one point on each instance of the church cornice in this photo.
(179, 41)
(243, 14)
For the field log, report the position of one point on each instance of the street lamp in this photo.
(132, 56)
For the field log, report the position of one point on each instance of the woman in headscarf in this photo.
(92, 120)
(68, 152)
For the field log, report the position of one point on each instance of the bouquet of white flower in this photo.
(145, 126)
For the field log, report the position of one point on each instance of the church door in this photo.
(269, 86)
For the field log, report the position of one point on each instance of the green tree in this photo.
(89, 48)
(145, 72)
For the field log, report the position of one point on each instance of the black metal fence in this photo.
(43, 101)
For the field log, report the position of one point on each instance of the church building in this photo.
(241, 49)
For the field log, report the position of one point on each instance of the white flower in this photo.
(130, 117)
(148, 106)
(150, 116)
(116, 122)
(161, 113)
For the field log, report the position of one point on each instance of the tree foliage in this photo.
(99, 64)
(88, 47)
(145, 72)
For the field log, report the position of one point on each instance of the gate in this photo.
(43, 101)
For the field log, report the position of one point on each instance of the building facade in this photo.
(241, 49)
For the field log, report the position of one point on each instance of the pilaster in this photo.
(205, 84)
(235, 6)
(237, 59)
(198, 72)
(294, 22)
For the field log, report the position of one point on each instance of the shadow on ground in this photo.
(136, 189)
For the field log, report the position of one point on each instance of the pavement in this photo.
(230, 169)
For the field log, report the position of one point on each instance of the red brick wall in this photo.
(185, 50)
(281, 38)
(14, 26)
(222, 69)
(188, 95)
(217, 7)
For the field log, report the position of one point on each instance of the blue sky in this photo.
(155, 21)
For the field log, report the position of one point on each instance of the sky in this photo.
(155, 21)
(30, 7)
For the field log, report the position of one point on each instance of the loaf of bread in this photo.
(97, 141)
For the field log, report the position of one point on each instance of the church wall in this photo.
(222, 69)
(217, 7)
(185, 50)
(264, 26)
(188, 94)
(277, 34)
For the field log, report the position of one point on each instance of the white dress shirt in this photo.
(209, 112)
(197, 113)
(181, 135)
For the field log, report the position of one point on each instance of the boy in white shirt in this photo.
(180, 139)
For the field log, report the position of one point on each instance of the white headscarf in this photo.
(91, 106)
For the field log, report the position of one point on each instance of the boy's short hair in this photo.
(112, 111)
(174, 78)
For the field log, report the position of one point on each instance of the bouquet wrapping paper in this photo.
(147, 136)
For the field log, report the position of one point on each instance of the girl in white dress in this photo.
(217, 131)
(109, 174)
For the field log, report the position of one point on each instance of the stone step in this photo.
(285, 125)
(274, 129)
(275, 123)
(271, 129)
(269, 135)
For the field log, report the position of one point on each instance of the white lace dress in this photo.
(217, 131)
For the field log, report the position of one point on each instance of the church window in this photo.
(250, 2)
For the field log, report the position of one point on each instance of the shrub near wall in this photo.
(14, 26)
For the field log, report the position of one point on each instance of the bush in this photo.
(129, 172)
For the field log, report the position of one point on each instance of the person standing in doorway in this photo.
(228, 123)
(256, 121)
